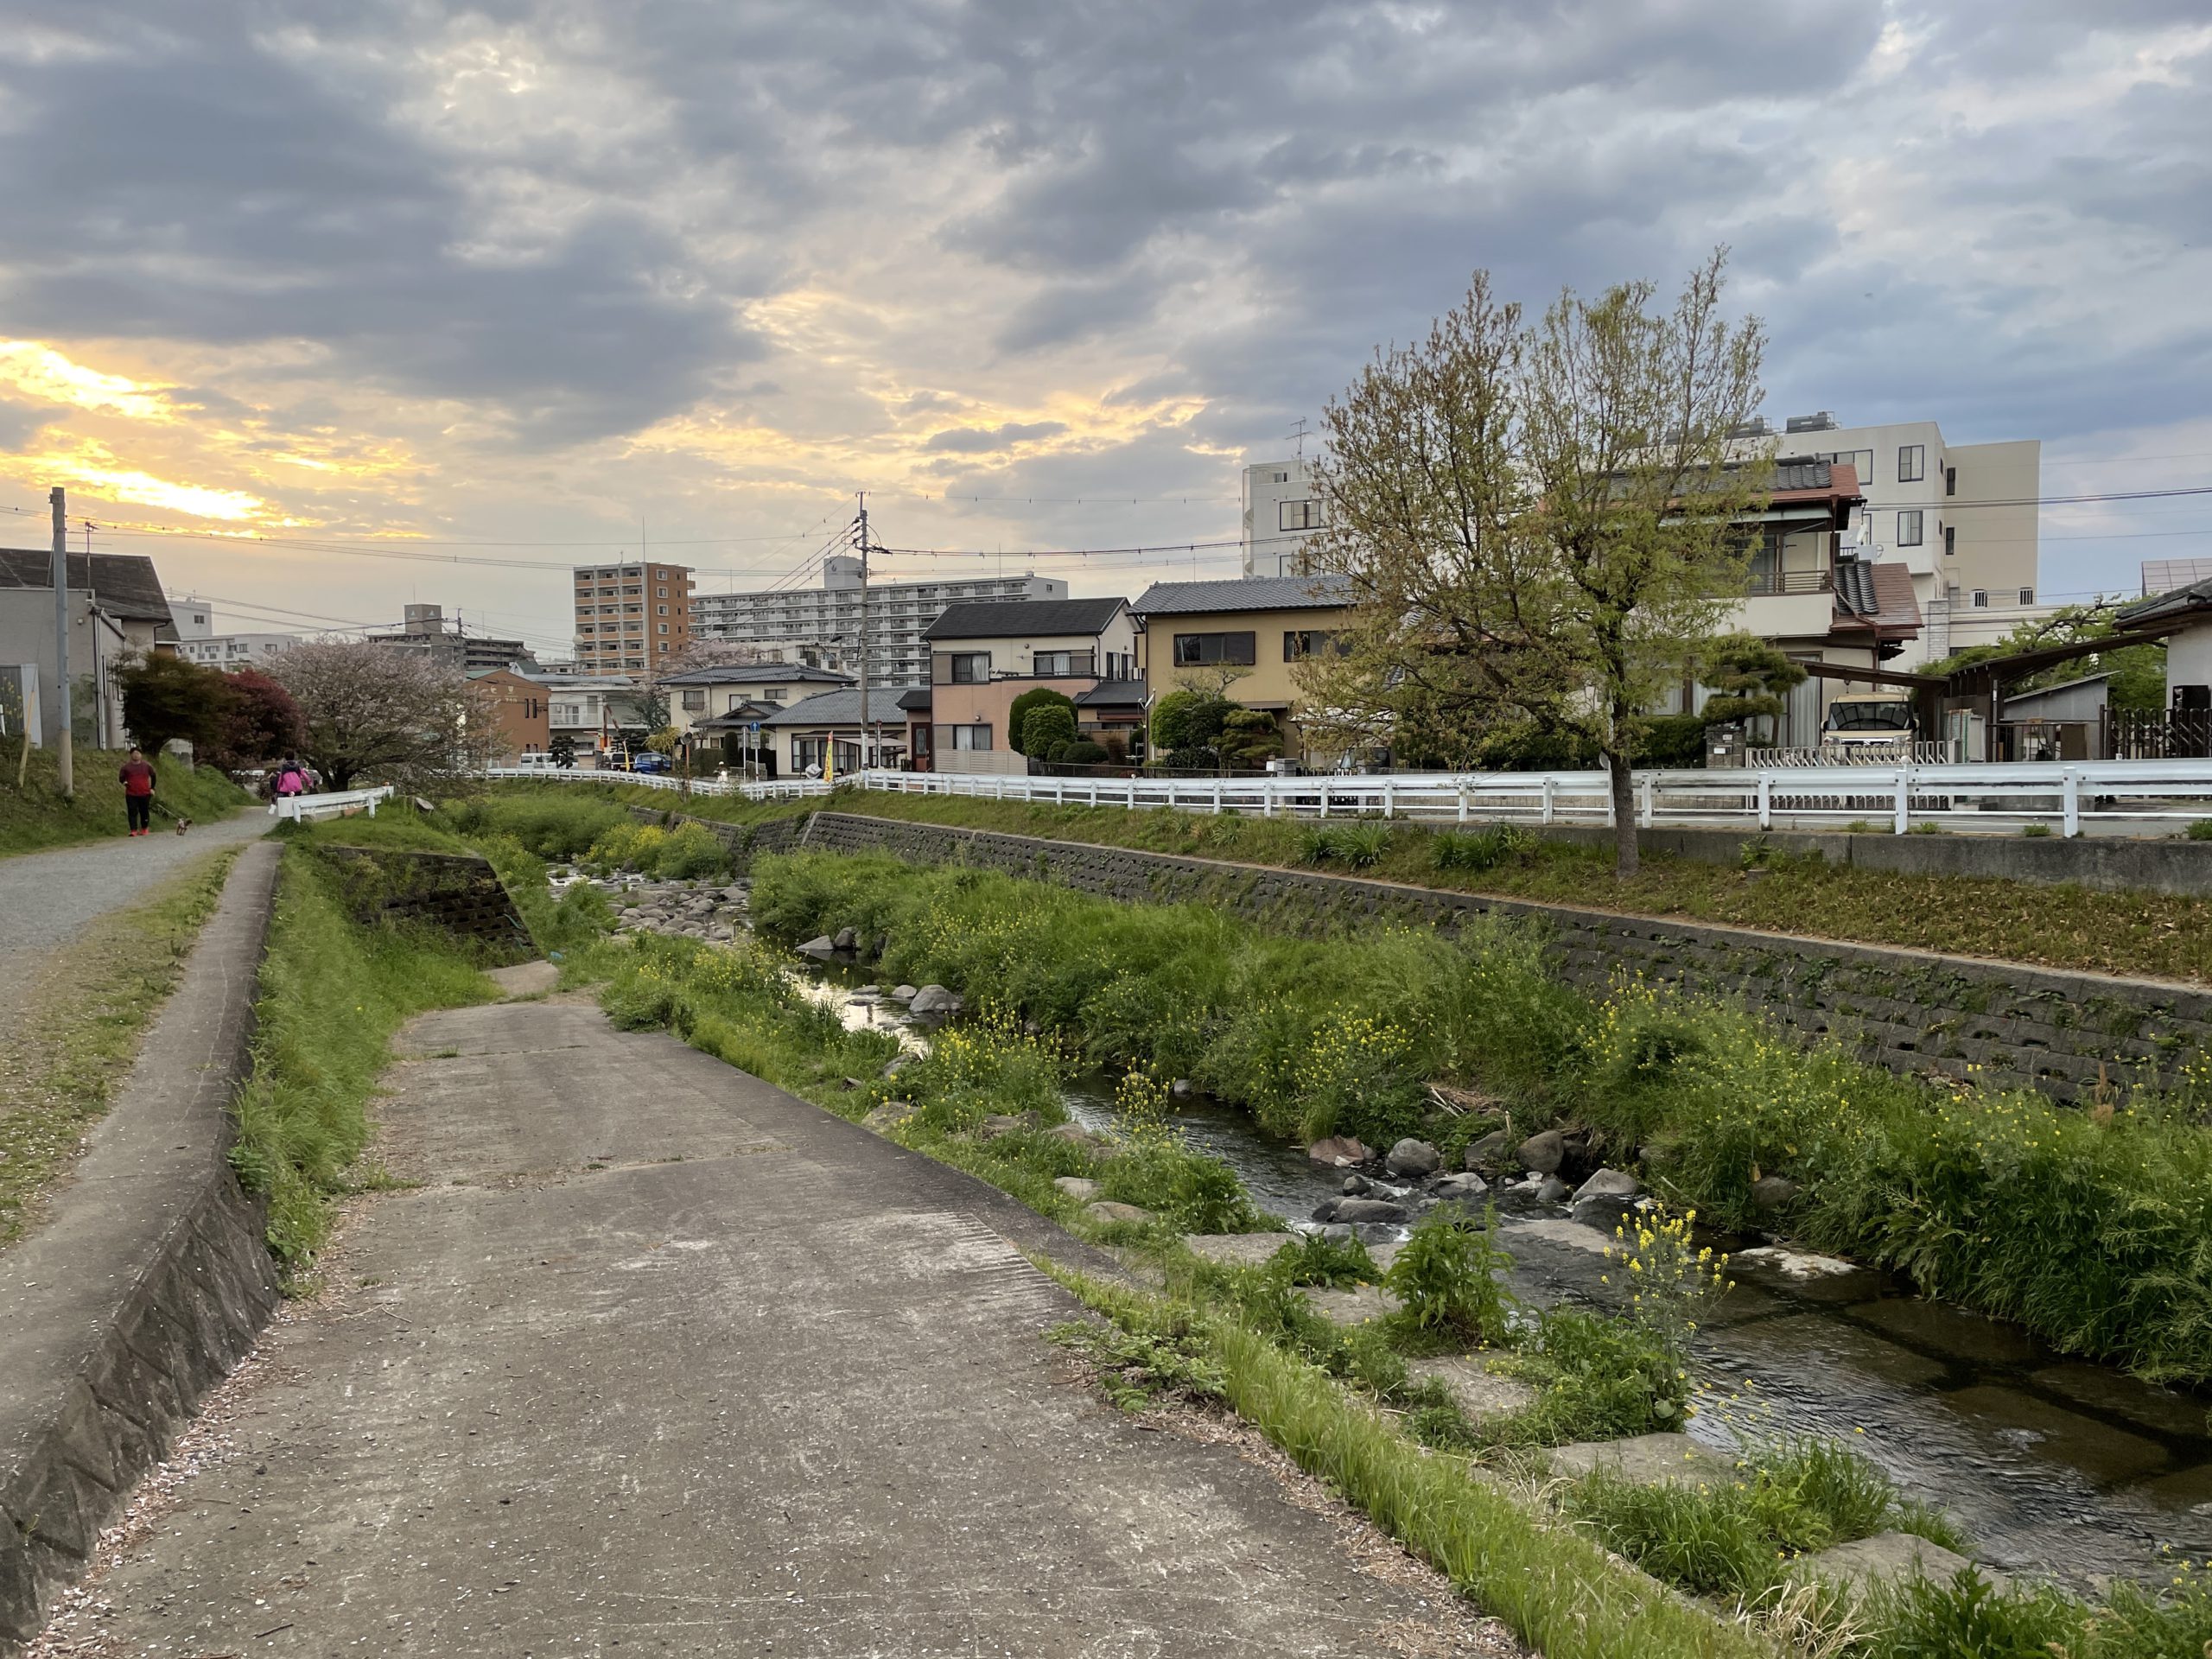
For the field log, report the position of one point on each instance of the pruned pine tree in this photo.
(1543, 524)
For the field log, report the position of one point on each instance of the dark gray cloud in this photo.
(21, 423)
(978, 440)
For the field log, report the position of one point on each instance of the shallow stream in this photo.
(2054, 1465)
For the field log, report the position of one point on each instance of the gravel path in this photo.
(47, 898)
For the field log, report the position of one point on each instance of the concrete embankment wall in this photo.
(1912, 1011)
(458, 891)
(147, 1282)
(2109, 862)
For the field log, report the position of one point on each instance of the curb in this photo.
(150, 1282)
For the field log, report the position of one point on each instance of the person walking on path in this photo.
(137, 779)
(291, 779)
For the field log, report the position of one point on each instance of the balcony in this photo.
(1774, 583)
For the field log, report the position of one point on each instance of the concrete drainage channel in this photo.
(149, 1280)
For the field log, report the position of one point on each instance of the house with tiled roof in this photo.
(1250, 632)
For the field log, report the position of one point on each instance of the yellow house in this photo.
(1255, 628)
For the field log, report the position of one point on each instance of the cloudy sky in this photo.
(389, 282)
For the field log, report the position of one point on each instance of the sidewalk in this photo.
(47, 898)
(660, 1358)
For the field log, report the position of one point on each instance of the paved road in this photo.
(47, 898)
(661, 1359)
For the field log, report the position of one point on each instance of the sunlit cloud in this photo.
(38, 371)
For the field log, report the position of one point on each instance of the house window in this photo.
(1305, 642)
(971, 667)
(775, 694)
(1951, 480)
(1912, 462)
(694, 700)
(1862, 462)
(1950, 540)
(2027, 595)
(1980, 599)
(1060, 664)
(660, 592)
(977, 738)
(660, 610)
(1298, 515)
(1909, 529)
(1197, 650)
(664, 647)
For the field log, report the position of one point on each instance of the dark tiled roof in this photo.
(125, 584)
(1244, 594)
(2198, 596)
(842, 707)
(737, 718)
(916, 701)
(1875, 596)
(1801, 474)
(758, 674)
(1028, 618)
(1112, 693)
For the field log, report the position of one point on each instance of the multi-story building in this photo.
(983, 656)
(820, 628)
(631, 617)
(198, 640)
(594, 712)
(517, 715)
(1280, 509)
(426, 631)
(1250, 633)
(1962, 518)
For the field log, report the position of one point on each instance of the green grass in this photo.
(2094, 1229)
(2158, 935)
(70, 1046)
(1740, 1536)
(38, 816)
(1561, 1595)
(332, 993)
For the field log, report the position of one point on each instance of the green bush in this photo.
(2201, 830)
(1082, 753)
(1047, 726)
(1482, 849)
(557, 822)
(1446, 1276)
(1018, 713)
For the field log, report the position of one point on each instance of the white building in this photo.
(1960, 518)
(1280, 509)
(198, 640)
(591, 710)
(819, 627)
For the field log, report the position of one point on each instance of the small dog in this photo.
(183, 824)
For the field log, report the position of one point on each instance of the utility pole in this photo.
(64, 759)
(865, 759)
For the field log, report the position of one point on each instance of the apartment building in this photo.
(631, 617)
(820, 628)
(198, 640)
(426, 633)
(1280, 510)
(516, 713)
(1960, 518)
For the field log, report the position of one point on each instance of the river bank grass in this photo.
(70, 1044)
(2160, 936)
(39, 815)
(2092, 1227)
(332, 993)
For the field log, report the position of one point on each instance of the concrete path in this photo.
(660, 1358)
(47, 898)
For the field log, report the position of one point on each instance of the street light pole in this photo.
(64, 753)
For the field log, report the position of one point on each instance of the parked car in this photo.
(648, 760)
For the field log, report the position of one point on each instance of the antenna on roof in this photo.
(1298, 437)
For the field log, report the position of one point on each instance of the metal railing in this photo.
(772, 790)
(1766, 584)
(299, 808)
(1992, 796)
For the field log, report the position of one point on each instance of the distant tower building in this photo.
(633, 618)
(1280, 509)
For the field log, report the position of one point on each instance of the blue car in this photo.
(649, 761)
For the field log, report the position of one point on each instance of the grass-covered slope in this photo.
(39, 815)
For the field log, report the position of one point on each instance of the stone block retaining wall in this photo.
(458, 891)
(1911, 1010)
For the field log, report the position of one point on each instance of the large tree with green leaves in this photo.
(1541, 522)
(167, 700)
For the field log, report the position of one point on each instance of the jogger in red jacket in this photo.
(137, 778)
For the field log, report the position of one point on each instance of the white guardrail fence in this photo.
(2068, 795)
(337, 803)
